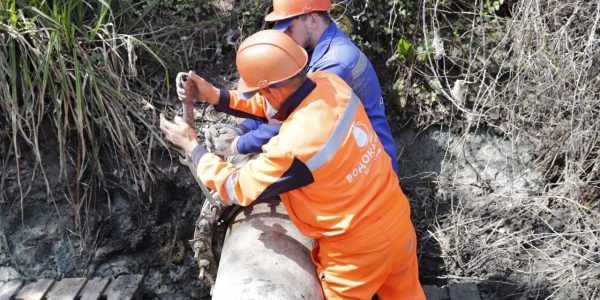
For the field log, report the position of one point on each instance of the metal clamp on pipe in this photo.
(202, 242)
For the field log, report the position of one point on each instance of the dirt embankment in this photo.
(122, 235)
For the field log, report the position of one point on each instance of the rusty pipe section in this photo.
(188, 104)
(264, 256)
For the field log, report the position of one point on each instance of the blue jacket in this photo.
(336, 53)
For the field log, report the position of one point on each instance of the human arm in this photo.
(230, 102)
(273, 172)
(338, 68)
(228, 140)
(202, 89)
(237, 104)
(180, 134)
(250, 124)
(252, 141)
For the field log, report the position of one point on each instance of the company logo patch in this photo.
(370, 148)
(360, 131)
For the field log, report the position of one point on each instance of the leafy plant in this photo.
(493, 6)
(405, 49)
(68, 67)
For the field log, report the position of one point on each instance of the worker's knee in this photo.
(403, 284)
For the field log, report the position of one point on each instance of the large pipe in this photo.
(264, 256)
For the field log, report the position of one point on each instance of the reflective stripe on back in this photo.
(335, 140)
(360, 67)
(230, 188)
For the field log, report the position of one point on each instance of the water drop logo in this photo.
(360, 131)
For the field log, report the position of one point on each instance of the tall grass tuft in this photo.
(65, 64)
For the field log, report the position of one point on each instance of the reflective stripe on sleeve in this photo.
(230, 188)
(336, 138)
(245, 96)
(360, 67)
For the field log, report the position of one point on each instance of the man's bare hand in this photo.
(204, 90)
(179, 133)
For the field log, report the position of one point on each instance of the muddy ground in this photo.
(126, 234)
(130, 234)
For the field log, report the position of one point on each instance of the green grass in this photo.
(66, 64)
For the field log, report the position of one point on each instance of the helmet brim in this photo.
(243, 87)
(283, 25)
(273, 17)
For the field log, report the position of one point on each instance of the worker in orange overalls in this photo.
(327, 165)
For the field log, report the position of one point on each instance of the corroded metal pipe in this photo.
(264, 256)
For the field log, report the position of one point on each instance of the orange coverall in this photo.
(337, 184)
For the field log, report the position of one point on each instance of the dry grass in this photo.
(532, 76)
(77, 74)
(93, 75)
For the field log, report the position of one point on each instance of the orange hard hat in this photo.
(268, 57)
(283, 9)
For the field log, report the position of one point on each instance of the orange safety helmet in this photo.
(268, 57)
(283, 9)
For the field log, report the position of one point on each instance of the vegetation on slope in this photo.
(92, 75)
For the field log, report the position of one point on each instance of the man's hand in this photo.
(222, 139)
(204, 89)
(179, 133)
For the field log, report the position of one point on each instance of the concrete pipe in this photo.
(264, 256)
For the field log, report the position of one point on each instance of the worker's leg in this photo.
(403, 280)
(359, 265)
(353, 268)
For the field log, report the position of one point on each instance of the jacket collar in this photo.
(323, 44)
(292, 102)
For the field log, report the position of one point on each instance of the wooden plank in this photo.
(9, 289)
(464, 291)
(35, 290)
(93, 288)
(123, 288)
(436, 293)
(66, 289)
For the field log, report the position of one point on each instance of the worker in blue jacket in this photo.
(331, 50)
